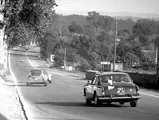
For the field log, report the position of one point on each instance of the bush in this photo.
(147, 63)
(84, 65)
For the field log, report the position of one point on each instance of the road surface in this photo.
(63, 100)
(2, 117)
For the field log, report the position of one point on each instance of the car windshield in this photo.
(35, 72)
(115, 78)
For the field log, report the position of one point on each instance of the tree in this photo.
(147, 63)
(75, 28)
(123, 48)
(100, 23)
(27, 17)
(156, 42)
(146, 30)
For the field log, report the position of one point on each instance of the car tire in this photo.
(49, 81)
(45, 84)
(133, 103)
(88, 102)
(96, 100)
(121, 103)
(27, 83)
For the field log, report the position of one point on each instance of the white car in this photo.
(37, 76)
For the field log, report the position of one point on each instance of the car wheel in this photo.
(45, 84)
(49, 81)
(88, 102)
(27, 83)
(121, 103)
(133, 103)
(96, 100)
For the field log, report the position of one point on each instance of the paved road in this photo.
(2, 117)
(63, 98)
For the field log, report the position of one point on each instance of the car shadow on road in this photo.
(22, 55)
(25, 85)
(19, 50)
(78, 104)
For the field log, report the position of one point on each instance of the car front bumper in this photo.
(117, 99)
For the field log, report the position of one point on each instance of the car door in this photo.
(90, 88)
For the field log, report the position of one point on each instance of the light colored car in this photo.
(37, 76)
(48, 75)
(111, 87)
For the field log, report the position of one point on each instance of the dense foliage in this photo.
(92, 42)
(85, 44)
(26, 19)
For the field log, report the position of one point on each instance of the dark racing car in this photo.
(111, 87)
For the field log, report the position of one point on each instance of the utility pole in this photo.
(156, 55)
(157, 66)
(115, 37)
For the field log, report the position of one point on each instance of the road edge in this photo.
(21, 101)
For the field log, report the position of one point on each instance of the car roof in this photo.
(110, 73)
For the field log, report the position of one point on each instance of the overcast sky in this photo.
(84, 6)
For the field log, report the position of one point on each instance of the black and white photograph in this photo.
(79, 59)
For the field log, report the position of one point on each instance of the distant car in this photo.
(48, 75)
(111, 87)
(27, 47)
(37, 76)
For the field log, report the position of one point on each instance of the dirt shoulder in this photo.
(9, 102)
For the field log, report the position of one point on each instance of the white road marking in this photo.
(58, 73)
(28, 113)
(138, 110)
(33, 65)
(149, 95)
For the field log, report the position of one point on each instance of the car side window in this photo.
(97, 81)
(94, 80)
(104, 79)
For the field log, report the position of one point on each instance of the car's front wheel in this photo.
(27, 83)
(133, 103)
(96, 100)
(45, 84)
(88, 102)
(49, 81)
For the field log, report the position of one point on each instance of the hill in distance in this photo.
(125, 20)
(81, 20)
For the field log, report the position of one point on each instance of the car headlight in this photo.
(103, 93)
(137, 88)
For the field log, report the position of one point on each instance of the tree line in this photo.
(86, 45)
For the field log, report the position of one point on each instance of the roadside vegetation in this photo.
(86, 43)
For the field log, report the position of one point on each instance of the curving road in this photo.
(63, 100)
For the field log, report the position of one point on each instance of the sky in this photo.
(105, 6)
